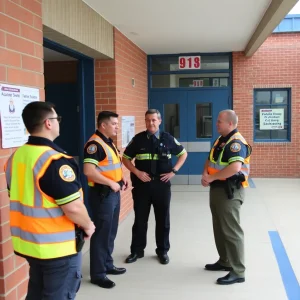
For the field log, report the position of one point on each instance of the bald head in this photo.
(231, 116)
(227, 121)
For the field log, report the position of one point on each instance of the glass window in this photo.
(280, 97)
(171, 119)
(170, 63)
(263, 97)
(272, 120)
(203, 120)
(190, 80)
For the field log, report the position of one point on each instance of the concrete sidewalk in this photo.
(273, 205)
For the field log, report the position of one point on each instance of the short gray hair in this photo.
(231, 116)
(152, 111)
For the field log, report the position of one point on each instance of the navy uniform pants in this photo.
(105, 215)
(54, 279)
(158, 194)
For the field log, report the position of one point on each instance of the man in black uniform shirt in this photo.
(150, 178)
(43, 217)
(102, 166)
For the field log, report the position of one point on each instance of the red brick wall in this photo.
(114, 91)
(275, 64)
(21, 63)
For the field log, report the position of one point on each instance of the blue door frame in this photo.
(86, 97)
(220, 98)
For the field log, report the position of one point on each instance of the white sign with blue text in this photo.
(13, 99)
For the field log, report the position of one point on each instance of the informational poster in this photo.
(271, 119)
(128, 130)
(278, 99)
(13, 99)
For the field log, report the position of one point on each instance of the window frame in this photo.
(288, 123)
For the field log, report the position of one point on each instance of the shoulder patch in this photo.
(235, 147)
(66, 173)
(176, 142)
(91, 149)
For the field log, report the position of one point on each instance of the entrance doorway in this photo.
(189, 102)
(62, 89)
(69, 84)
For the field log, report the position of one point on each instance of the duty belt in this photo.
(155, 177)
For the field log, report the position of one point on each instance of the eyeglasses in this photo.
(58, 118)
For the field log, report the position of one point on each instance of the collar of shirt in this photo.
(103, 137)
(156, 134)
(41, 141)
(224, 139)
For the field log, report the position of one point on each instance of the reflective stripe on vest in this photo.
(111, 166)
(217, 166)
(148, 156)
(39, 227)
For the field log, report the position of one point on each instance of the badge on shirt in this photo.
(176, 142)
(235, 147)
(66, 173)
(91, 149)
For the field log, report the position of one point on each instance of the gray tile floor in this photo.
(274, 205)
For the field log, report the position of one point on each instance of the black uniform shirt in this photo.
(138, 145)
(236, 150)
(143, 147)
(94, 152)
(61, 179)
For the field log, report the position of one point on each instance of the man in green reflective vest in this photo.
(226, 172)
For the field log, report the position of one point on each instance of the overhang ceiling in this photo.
(175, 26)
(51, 55)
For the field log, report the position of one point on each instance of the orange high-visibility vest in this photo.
(217, 166)
(39, 227)
(111, 166)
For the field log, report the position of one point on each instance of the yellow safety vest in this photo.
(217, 166)
(39, 227)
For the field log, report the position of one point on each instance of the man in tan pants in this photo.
(226, 172)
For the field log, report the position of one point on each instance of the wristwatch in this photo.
(174, 171)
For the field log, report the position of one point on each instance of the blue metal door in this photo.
(164, 101)
(66, 100)
(191, 117)
(203, 109)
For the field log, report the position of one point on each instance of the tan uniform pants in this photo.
(229, 236)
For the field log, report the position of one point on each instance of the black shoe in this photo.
(116, 271)
(230, 278)
(217, 267)
(163, 259)
(133, 257)
(104, 283)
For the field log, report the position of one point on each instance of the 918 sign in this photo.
(189, 62)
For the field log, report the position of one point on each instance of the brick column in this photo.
(114, 91)
(21, 63)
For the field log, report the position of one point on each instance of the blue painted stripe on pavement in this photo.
(289, 279)
(251, 183)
